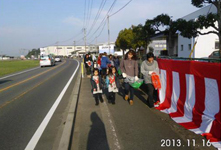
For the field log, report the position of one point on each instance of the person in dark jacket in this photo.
(88, 64)
(104, 64)
(113, 84)
(96, 83)
(116, 62)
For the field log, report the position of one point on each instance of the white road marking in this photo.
(110, 126)
(35, 138)
(19, 73)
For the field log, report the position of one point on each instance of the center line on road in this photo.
(34, 140)
(4, 89)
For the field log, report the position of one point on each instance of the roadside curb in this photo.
(67, 132)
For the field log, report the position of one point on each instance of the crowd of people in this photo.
(105, 73)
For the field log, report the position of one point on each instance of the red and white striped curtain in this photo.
(190, 94)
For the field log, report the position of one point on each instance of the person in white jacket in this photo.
(147, 68)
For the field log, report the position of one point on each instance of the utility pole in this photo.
(74, 45)
(108, 33)
(96, 45)
(170, 50)
(85, 40)
(56, 48)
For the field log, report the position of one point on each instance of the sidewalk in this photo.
(122, 126)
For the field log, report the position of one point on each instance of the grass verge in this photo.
(13, 66)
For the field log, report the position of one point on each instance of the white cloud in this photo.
(73, 21)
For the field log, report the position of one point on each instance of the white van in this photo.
(47, 60)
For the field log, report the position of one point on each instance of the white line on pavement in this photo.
(18, 73)
(110, 126)
(35, 138)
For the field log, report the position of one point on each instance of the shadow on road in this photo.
(4, 81)
(97, 139)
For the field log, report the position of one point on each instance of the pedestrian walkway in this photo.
(122, 126)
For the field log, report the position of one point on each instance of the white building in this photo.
(104, 47)
(156, 46)
(68, 50)
(205, 43)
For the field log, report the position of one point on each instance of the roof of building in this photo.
(203, 11)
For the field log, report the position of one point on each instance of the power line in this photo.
(84, 11)
(75, 36)
(88, 10)
(99, 33)
(97, 15)
(92, 1)
(104, 18)
(120, 8)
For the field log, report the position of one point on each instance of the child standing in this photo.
(113, 84)
(96, 83)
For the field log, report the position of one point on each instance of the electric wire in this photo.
(104, 20)
(84, 12)
(89, 19)
(88, 10)
(98, 34)
(97, 15)
(121, 8)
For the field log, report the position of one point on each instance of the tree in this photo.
(191, 28)
(34, 52)
(124, 39)
(141, 37)
(161, 24)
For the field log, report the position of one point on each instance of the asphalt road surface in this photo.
(125, 127)
(25, 100)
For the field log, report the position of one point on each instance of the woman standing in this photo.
(129, 69)
(147, 68)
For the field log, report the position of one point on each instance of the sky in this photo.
(28, 24)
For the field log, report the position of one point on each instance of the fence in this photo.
(190, 94)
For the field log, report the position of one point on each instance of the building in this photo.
(206, 44)
(180, 46)
(109, 49)
(68, 50)
(157, 45)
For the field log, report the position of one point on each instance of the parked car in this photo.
(57, 59)
(47, 60)
(214, 55)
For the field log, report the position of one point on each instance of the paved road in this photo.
(121, 126)
(25, 99)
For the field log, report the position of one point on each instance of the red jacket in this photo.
(99, 61)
